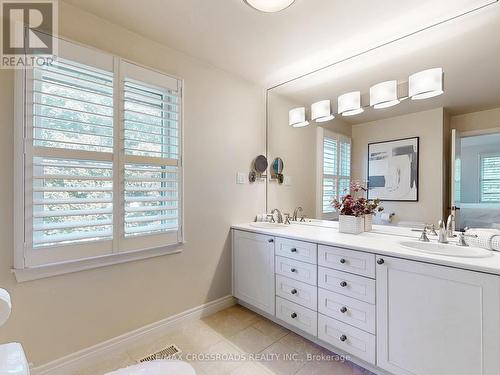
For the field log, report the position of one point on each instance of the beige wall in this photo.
(476, 121)
(429, 126)
(224, 130)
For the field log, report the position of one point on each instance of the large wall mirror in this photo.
(425, 156)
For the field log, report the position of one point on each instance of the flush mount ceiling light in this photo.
(384, 94)
(350, 104)
(297, 117)
(426, 84)
(321, 111)
(269, 6)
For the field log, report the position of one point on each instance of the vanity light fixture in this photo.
(321, 111)
(350, 104)
(269, 6)
(297, 117)
(426, 84)
(384, 94)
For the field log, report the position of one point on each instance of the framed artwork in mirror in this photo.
(393, 170)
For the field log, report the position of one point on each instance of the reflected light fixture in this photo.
(426, 84)
(321, 111)
(297, 117)
(384, 94)
(350, 104)
(269, 6)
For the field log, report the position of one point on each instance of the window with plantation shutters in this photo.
(336, 171)
(101, 158)
(490, 178)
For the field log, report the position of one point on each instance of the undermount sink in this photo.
(447, 249)
(267, 225)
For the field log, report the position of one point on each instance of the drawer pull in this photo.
(293, 270)
(380, 261)
(342, 260)
(293, 315)
(293, 250)
(343, 310)
(343, 338)
(270, 240)
(294, 291)
(343, 284)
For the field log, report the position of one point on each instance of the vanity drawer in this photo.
(293, 269)
(346, 309)
(299, 250)
(297, 316)
(350, 285)
(346, 260)
(343, 336)
(295, 291)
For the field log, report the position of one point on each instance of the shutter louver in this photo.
(151, 147)
(490, 179)
(72, 119)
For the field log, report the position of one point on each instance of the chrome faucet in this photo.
(280, 216)
(450, 226)
(296, 213)
(443, 232)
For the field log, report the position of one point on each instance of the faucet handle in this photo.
(423, 236)
(287, 218)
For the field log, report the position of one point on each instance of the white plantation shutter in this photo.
(102, 158)
(336, 159)
(69, 175)
(490, 178)
(151, 160)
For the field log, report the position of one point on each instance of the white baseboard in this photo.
(93, 355)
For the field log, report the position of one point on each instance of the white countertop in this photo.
(383, 241)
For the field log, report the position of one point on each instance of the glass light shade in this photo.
(269, 6)
(321, 111)
(297, 117)
(350, 104)
(426, 84)
(384, 94)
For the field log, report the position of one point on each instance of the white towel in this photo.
(495, 243)
(484, 237)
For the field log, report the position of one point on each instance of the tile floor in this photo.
(233, 335)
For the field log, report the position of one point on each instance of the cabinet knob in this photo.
(380, 261)
(343, 338)
(342, 260)
(343, 284)
(293, 250)
(270, 240)
(293, 270)
(343, 310)
(293, 291)
(293, 315)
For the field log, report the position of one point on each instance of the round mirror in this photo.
(278, 166)
(260, 164)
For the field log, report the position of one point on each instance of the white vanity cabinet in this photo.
(435, 320)
(253, 270)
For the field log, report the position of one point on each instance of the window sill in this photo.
(41, 272)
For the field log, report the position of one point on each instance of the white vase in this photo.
(368, 223)
(351, 224)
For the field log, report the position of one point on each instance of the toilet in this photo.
(160, 367)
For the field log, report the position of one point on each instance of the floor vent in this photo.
(167, 353)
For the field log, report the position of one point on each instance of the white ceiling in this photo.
(272, 48)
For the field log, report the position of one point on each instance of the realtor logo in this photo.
(28, 29)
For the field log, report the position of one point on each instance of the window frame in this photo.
(480, 170)
(29, 263)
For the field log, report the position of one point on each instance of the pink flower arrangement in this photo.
(352, 205)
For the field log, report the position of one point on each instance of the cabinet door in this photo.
(435, 320)
(253, 269)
